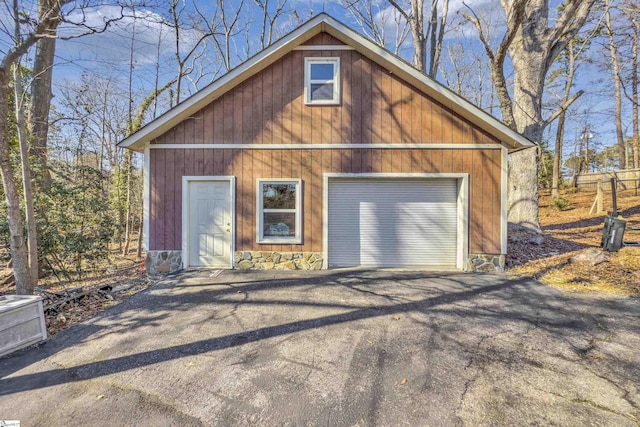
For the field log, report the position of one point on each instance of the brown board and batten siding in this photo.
(169, 165)
(377, 107)
(268, 108)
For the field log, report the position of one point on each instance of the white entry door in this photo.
(209, 219)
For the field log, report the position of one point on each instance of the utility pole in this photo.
(586, 136)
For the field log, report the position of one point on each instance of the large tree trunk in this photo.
(527, 116)
(41, 93)
(533, 49)
(18, 248)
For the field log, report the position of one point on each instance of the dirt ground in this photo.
(119, 272)
(573, 230)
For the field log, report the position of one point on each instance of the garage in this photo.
(395, 222)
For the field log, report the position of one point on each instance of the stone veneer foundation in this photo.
(268, 260)
(163, 262)
(486, 263)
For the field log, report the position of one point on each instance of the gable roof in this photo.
(509, 138)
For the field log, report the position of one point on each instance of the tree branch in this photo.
(401, 10)
(566, 27)
(564, 107)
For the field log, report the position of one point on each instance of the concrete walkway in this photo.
(339, 349)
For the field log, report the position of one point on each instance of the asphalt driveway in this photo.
(337, 348)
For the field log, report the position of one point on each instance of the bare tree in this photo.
(32, 237)
(632, 12)
(426, 40)
(269, 19)
(41, 90)
(224, 28)
(532, 45)
(27, 33)
(570, 69)
(25, 282)
(374, 22)
(466, 72)
(617, 84)
(185, 67)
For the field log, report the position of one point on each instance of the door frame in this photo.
(231, 180)
(462, 251)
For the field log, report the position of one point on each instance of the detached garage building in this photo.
(325, 151)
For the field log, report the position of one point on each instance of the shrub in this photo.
(560, 203)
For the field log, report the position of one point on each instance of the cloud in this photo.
(143, 31)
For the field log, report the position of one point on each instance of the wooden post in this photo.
(614, 198)
(600, 197)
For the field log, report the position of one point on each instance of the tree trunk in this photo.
(533, 49)
(40, 104)
(17, 246)
(634, 91)
(140, 232)
(615, 62)
(527, 115)
(128, 215)
(41, 94)
(415, 19)
(32, 236)
(557, 156)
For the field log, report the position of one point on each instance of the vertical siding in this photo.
(168, 167)
(376, 107)
(323, 39)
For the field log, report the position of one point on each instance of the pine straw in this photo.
(573, 231)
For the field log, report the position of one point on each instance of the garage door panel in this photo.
(391, 222)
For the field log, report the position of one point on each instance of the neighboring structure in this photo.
(324, 151)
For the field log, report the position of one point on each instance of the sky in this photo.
(108, 55)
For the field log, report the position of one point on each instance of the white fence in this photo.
(628, 179)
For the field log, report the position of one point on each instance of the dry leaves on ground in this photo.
(574, 231)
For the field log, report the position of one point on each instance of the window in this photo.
(321, 82)
(279, 211)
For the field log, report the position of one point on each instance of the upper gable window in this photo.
(322, 85)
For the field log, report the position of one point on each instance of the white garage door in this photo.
(392, 222)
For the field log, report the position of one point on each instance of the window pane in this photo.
(279, 224)
(279, 196)
(322, 92)
(322, 71)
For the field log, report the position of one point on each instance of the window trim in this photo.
(308, 62)
(260, 211)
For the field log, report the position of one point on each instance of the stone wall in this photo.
(267, 260)
(486, 263)
(163, 262)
